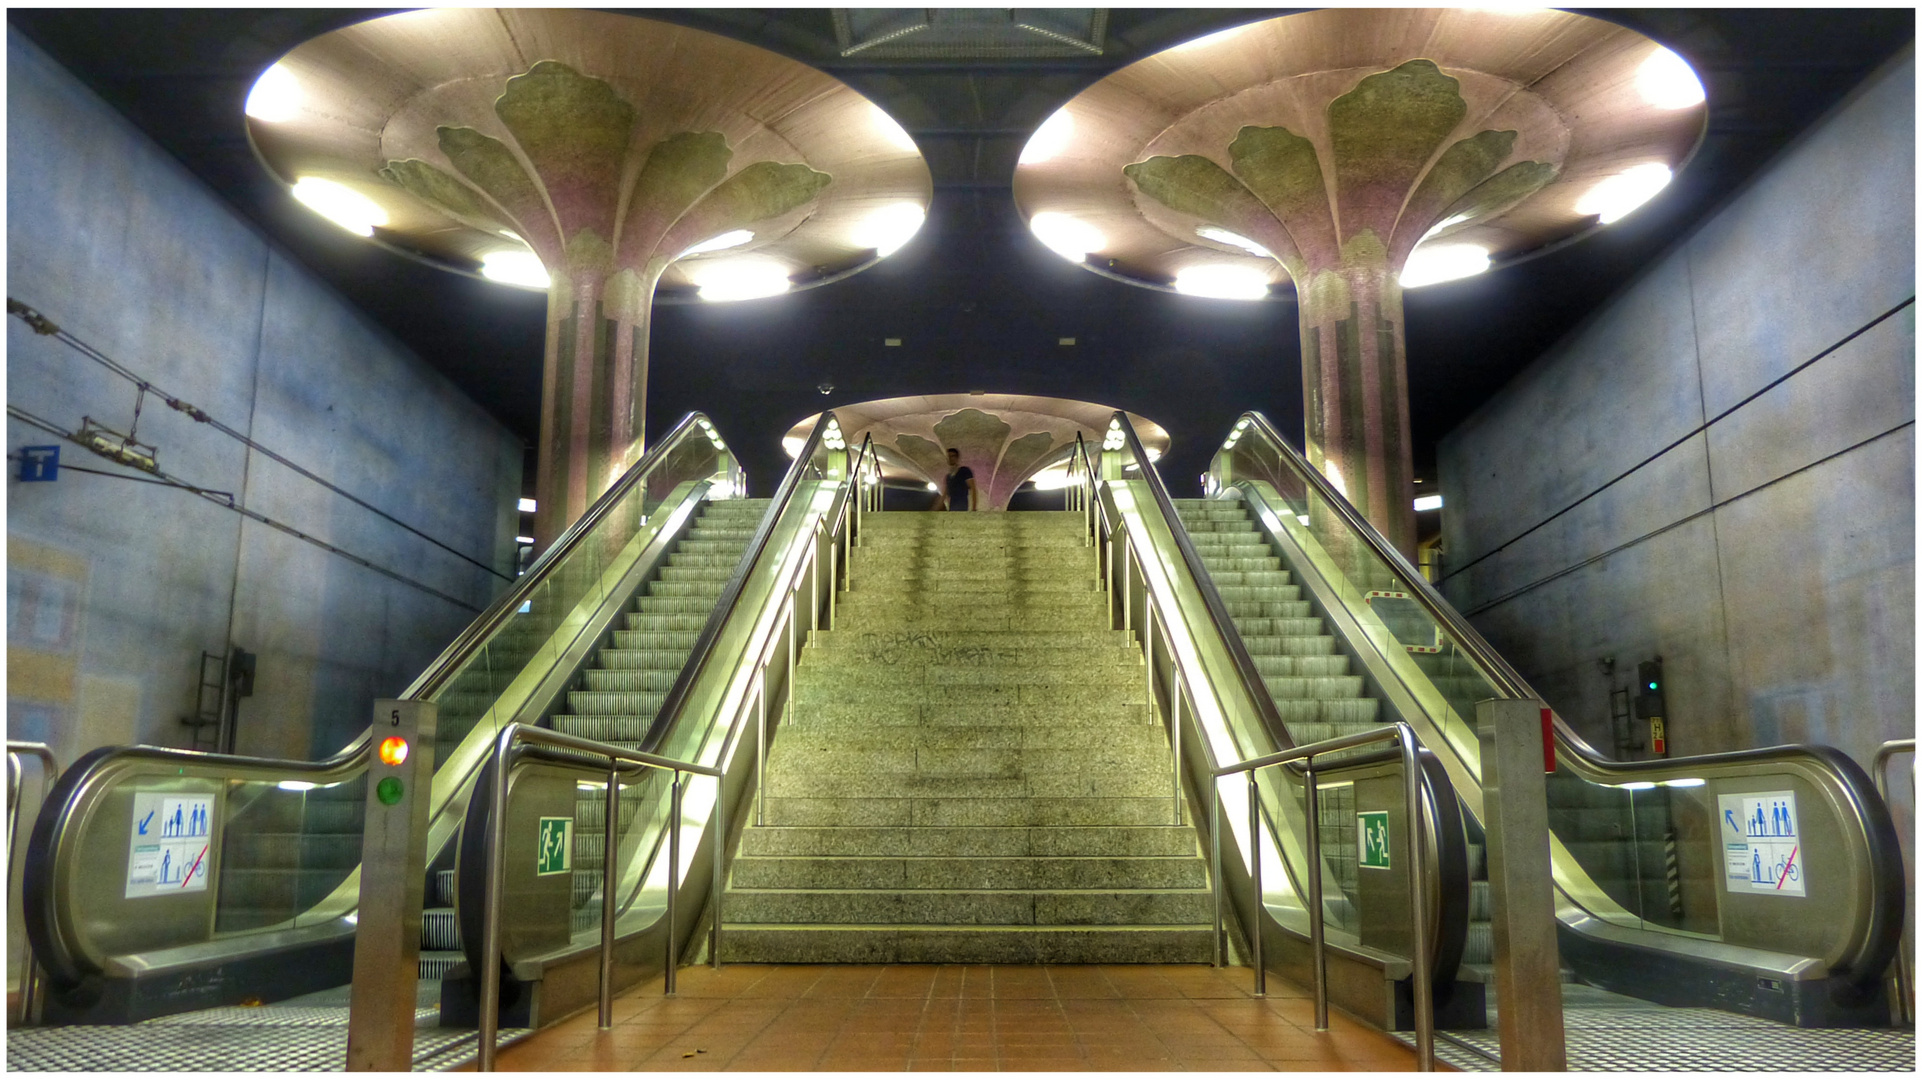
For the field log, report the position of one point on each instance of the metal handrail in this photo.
(676, 700)
(1877, 828)
(1404, 738)
(1904, 958)
(517, 733)
(49, 772)
(49, 835)
(788, 588)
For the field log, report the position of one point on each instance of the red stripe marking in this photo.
(189, 876)
(1786, 865)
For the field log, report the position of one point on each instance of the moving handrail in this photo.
(691, 447)
(812, 531)
(1862, 958)
(49, 771)
(512, 736)
(1246, 679)
(1905, 955)
(1409, 748)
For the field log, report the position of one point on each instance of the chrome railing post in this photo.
(1417, 904)
(834, 574)
(1254, 879)
(673, 874)
(720, 850)
(1905, 950)
(1174, 738)
(1317, 932)
(610, 848)
(760, 748)
(793, 632)
(814, 579)
(1148, 649)
(490, 990)
(1214, 836)
(31, 983)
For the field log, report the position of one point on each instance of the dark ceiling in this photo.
(977, 302)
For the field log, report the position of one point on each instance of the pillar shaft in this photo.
(1354, 373)
(593, 393)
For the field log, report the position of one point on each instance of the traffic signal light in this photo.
(1651, 703)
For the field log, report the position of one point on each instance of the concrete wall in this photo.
(115, 587)
(1770, 559)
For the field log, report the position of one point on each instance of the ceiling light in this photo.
(1428, 502)
(1443, 262)
(515, 268)
(1615, 197)
(1223, 236)
(340, 204)
(275, 96)
(1667, 82)
(296, 785)
(720, 243)
(1049, 139)
(523, 539)
(743, 279)
(1067, 237)
(1210, 39)
(891, 130)
(1637, 785)
(888, 228)
(1222, 282)
(931, 487)
(1153, 455)
(1691, 781)
(527, 506)
(1053, 479)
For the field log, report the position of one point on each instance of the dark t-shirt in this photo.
(958, 488)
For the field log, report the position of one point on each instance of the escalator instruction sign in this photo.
(170, 844)
(1762, 844)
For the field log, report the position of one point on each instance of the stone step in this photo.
(893, 944)
(809, 693)
(941, 873)
(818, 754)
(971, 907)
(806, 737)
(946, 812)
(1042, 617)
(875, 642)
(1108, 841)
(1143, 783)
(843, 714)
(988, 657)
(910, 673)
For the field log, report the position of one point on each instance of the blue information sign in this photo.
(39, 463)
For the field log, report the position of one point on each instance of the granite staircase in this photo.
(971, 773)
(1309, 679)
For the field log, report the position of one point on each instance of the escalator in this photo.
(1655, 863)
(597, 635)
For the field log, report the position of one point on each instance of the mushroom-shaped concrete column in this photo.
(627, 156)
(1339, 148)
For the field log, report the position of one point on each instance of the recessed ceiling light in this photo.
(1428, 502)
(890, 227)
(722, 242)
(1049, 139)
(1222, 282)
(527, 506)
(275, 96)
(892, 342)
(746, 278)
(1223, 236)
(340, 204)
(515, 268)
(1070, 238)
(1615, 197)
(1443, 262)
(1667, 82)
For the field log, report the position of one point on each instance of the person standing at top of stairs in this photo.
(961, 493)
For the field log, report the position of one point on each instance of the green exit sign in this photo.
(1371, 827)
(556, 853)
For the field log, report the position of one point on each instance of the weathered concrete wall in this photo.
(1769, 560)
(115, 587)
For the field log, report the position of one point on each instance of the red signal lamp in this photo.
(393, 750)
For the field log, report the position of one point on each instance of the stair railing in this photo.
(49, 770)
(516, 735)
(1905, 956)
(1403, 739)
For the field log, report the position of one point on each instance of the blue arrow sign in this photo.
(144, 820)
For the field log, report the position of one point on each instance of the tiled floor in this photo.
(756, 1017)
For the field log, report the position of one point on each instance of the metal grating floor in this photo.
(1612, 1033)
(301, 1035)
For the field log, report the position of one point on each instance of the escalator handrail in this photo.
(1879, 942)
(677, 695)
(483, 627)
(44, 847)
(1246, 673)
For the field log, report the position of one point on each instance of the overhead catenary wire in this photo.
(227, 500)
(44, 326)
